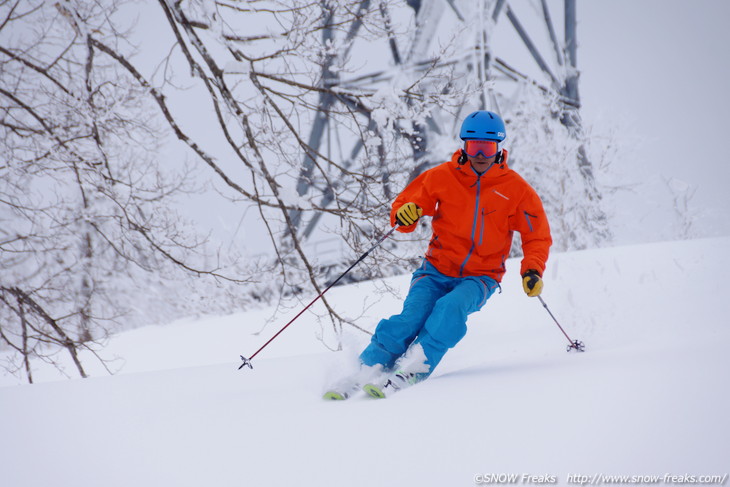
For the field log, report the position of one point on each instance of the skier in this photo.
(477, 203)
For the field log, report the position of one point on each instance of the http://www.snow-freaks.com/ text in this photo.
(598, 479)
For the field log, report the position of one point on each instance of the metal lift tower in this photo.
(556, 75)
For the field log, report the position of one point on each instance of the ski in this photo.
(351, 385)
(342, 392)
(374, 390)
(335, 396)
(392, 384)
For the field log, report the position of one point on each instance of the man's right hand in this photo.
(532, 283)
(408, 214)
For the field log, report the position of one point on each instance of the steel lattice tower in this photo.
(481, 62)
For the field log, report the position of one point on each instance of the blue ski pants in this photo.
(434, 316)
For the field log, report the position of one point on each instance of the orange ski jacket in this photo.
(475, 216)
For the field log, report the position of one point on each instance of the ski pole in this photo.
(247, 361)
(577, 344)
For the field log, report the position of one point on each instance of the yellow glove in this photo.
(408, 214)
(532, 283)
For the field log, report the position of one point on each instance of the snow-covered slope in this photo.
(648, 397)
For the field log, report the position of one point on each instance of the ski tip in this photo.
(373, 391)
(334, 396)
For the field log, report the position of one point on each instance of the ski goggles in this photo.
(488, 148)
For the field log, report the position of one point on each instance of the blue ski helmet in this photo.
(483, 125)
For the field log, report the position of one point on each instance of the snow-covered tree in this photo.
(87, 234)
(311, 114)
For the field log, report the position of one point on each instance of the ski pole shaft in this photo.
(578, 345)
(247, 361)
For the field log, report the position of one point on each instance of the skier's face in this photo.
(481, 153)
(481, 163)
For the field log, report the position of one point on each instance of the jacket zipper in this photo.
(529, 222)
(474, 226)
(481, 228)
